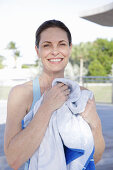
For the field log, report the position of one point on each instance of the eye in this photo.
(63, 44)
(46, 45)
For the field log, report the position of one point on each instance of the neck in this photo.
(47, 78)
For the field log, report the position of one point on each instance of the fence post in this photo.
(81, 70)
(112, 92)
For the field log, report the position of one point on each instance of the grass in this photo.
(4, 91)
(103, 94)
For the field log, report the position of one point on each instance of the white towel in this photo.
(66, 127)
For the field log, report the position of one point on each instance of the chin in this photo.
(56, 71)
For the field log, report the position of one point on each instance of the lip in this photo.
(55, 58)
(56, 62)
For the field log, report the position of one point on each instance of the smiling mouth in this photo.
(55, 60)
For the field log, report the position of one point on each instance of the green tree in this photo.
(11, 45)
(98, 53)
(79, 51)
(102, 50)
(80, 56)
(16, 52)
(1, 61)
(96, 69)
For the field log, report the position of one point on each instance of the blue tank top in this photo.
(36, 96)
(36, 92)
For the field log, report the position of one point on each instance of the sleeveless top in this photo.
(36, 97)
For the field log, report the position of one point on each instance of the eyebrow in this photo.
(63, 41)
(50, 41)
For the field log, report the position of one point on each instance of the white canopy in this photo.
(102, 15)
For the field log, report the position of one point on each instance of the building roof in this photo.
(102, 15)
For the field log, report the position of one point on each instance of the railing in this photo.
(101, 86)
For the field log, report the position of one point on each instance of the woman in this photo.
(53, 46)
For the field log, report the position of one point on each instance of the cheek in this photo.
(44, 53)
(65, 52)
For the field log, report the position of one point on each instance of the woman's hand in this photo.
(91, 117)
(55, 97)
(90, 114)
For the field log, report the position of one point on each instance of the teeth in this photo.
(55, 60)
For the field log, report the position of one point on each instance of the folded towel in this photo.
(68, 142)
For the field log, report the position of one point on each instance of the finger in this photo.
(64, 87)
(60, 84)
(66, 97)
(67, 92)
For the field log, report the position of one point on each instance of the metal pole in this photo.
(112, 91)
(81, 70)
(112, 85)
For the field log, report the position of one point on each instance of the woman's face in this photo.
(54, 49)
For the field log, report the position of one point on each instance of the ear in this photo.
(37, 51)
(70, 48)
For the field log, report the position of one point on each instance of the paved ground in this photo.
(106, 115)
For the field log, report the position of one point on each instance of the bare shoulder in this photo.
(83, 88)
(21, 95)
(21, 89)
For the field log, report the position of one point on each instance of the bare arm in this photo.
(20, 144)
(90, 115)
(98, 141)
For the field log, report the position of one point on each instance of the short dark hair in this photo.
(52, 23)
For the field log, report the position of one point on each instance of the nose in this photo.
(54, 51)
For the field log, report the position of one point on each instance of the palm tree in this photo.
(79, 55)
(16, 52)
(1, 61)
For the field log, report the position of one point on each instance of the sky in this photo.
(19, 20)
